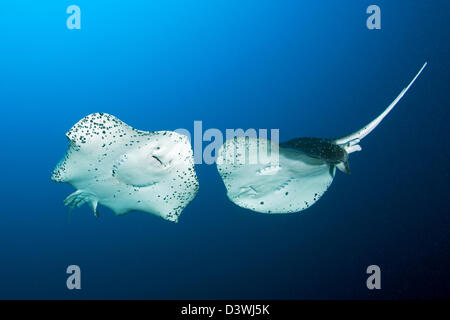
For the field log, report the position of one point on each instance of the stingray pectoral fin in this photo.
(350, 142)
(80, 197)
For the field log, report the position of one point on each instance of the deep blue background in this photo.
(310, 68)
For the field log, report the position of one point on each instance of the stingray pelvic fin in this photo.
(350, 142)
(78, 198)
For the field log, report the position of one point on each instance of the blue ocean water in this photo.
(309, 68)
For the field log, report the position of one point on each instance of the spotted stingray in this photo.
(266, 177)
(124, 169)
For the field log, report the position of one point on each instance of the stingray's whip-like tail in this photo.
(350, 142)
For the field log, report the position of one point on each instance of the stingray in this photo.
(266, 177)
(124, 169)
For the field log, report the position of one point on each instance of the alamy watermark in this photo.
(74, 20)
(372, 22)
(257, 146)
(374, 280)
(74, 280)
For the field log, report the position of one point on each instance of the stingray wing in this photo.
(263, 177)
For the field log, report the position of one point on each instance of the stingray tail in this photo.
(351, 142)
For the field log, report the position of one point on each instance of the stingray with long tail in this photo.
(297, 172)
